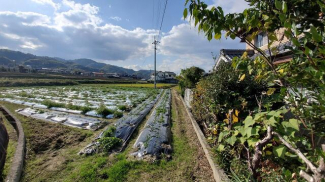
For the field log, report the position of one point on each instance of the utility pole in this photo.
(155, 42)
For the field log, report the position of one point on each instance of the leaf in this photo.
(279, 151)
(251, 142)
(185, 13)
(242, 77)
(284, 7)
(215, 131)
(231, 140)
(226, 121)
(235, 117)
(270, 91)
(278, 4)
(248, 132)
(258, 116)
(244, 55)
(221, 135)
(270, 121)
(282, 17)
(221, 148)
(217, 36)
(316, 36)
(268, 152)
(249, 121)
(232, 36)
(280, 71)
(294, 123)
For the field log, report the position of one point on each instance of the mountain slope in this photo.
(87, 65)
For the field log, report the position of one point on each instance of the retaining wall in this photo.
(4, 140)
(18, 160)
(188, 97)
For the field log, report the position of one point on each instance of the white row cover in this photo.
(61, 117)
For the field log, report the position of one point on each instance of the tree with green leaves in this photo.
(189, 77)
(299, 83)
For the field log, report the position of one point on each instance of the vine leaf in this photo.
(249, 121)
(279, 151)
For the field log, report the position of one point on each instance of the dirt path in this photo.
(202, 170)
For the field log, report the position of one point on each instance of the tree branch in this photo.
(297, 151)
(258, 149)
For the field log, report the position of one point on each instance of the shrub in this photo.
(118, 114)
(85, 109)
(121, 107)
(73, 107)
(216, 94)
(108, 143)
(104, 111)
(109, 132)
(50, 104)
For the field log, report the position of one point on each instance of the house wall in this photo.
(279, 34)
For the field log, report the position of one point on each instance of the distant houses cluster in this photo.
(164, 77)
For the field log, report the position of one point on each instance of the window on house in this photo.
(261, 39)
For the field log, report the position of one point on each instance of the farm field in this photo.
(83, 106)
(53, 153)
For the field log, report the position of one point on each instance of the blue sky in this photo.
(117, 32)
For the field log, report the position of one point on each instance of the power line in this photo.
(162, 20)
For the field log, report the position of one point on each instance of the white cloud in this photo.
(49, 2)
(30, 45)
(191, 48)
(116, 18)
(78, 15)
(231, 6)
(138, 67)
(76, 31)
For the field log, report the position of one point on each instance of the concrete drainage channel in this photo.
(18, 160)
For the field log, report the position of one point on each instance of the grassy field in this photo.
(52, 155)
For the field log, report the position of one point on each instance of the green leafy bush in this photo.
(109, 132)
(118, 114)
(86, 109)
(108, 143)
(290, 136)
(50, 104)
(104, 111)
(122, 107)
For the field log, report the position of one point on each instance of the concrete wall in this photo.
(4, 140)
(18, 160)
(188, 97)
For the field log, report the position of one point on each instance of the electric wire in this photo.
(162, 20)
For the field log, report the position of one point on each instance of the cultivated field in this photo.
(78, 106)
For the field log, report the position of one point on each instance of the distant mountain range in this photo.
(10, 58)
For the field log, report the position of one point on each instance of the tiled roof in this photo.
(231, 53)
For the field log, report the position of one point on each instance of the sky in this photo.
(117, 32)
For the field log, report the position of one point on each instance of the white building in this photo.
(166, 76)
